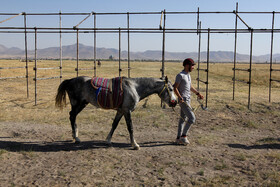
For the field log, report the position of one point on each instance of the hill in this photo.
(86, 52)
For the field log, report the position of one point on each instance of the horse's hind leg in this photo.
(130, 130)
(76, 109)
(116, 121)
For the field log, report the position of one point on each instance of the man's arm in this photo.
(176, 91)
(196, 92)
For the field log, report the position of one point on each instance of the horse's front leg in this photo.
(116, 121)
(128, 120)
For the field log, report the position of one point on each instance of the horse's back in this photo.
(109, 93)
(79, 88)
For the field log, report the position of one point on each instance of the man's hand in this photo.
(181, 100)
(199, 96)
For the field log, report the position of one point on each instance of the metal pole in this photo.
(11, 17)
(83, 20)
(208, 55)
(163, 45)
(128, 46)
(160, 23)
(250, 69)
(26, 59)
(198, 22)
(60, 46)
(243, 22)
(120, 52)
(198, 58)
(77, 69)
(234, 60)
(94, 52)
(271, 53)
(132, 30)
(199, 39)
(35, 68)
(163, 49)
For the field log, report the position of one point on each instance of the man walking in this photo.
(182, 89)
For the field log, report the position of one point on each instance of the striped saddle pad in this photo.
(109, 93)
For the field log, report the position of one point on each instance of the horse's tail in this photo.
(60, 99)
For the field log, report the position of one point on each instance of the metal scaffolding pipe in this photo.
(26, 59)
(163, 45)
(197, 23)
(120, 69)
(18, 67)
(83, 20)
(128, 47)
(142, 13)
(77, 69)
(18, 77)
(11, 18)
(60, 46)
(243, 21)
(234, 58)
(125, 30)
(271, 55)
(250, 69)
(94, 45)
(207, 77)
(35, 68)
(198, 58)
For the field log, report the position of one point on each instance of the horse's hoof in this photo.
(77, 141)
(136, 147)
(109, 144)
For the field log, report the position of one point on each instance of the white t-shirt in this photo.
(184, 88)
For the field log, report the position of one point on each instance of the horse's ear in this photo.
(166, 79)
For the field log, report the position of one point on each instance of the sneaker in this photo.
(184, 140)
(177, 141)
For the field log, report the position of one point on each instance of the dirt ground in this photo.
(229, 147)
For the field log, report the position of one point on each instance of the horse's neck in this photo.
(148, 86)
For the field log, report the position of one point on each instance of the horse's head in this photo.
(167, 93)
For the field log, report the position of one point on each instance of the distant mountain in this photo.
(86, 52)
(12, 52)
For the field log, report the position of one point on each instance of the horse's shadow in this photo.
(57, 146)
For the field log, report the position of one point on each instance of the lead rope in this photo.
(193, 109)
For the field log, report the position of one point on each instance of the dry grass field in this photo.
(230, 144)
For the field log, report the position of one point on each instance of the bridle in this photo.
(170, 96)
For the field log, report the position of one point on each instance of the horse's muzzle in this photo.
(173, 103)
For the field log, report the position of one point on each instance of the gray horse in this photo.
(81, 92)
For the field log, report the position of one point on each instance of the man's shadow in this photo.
(265, 145)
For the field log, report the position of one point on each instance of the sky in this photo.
(143, 42)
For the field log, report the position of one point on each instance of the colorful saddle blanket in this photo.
(109, 93)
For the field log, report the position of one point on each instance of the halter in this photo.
(166, 87)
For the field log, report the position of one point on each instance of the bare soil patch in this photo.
(228, 146)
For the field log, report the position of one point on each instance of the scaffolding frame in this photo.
(128, 30)
(36, 78)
